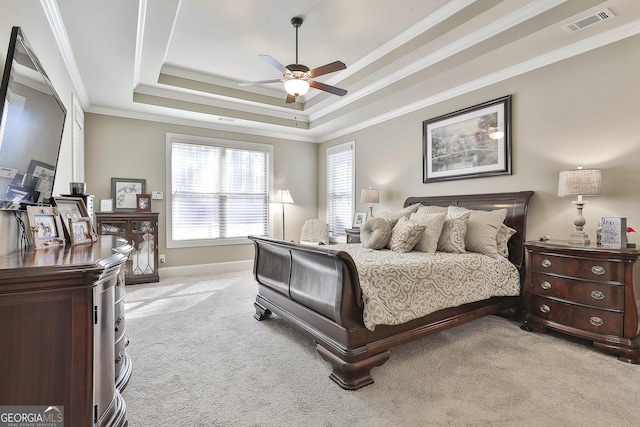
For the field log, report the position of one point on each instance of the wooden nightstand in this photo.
(353, 235)
(587, 292)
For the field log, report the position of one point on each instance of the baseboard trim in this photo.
(200, 269)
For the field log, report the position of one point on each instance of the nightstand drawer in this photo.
(583, 318)
(580, 268)
(589, 293)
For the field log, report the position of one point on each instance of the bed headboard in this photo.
(515, 203)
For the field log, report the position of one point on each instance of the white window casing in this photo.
(217, 190)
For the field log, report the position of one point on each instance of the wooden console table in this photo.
(58, 339)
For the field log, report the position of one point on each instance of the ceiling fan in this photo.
(297, 77)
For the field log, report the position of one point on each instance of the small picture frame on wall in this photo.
(143, 202)
(614, 232)
(359, 218)
(81, 231)
(46, 226)
(124, 191)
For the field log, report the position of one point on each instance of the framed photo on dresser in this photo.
(46, 227)
(614, 232)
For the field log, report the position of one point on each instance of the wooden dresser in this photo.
(589, 292)
(58, 340)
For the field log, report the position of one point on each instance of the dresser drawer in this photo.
(589, 293)
(583, 318)
(581, 268)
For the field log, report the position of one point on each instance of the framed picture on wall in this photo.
(124, 193)
(470, 143)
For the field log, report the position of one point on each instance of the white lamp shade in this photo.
(296, 87)
(283, 196)
(581, 182)
(369, 195)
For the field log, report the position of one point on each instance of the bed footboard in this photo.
(322, 280)
(317, 290)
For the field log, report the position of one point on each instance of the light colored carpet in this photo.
(201, 359)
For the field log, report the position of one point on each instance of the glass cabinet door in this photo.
(116, 228)
(143, 254)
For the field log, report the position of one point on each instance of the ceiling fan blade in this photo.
(290, 99)
(326, 69)
(273, 62)
(261, 82)
(327, 88)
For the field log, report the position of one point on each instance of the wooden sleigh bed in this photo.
(317, 290)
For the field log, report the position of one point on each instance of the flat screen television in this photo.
(31, 124)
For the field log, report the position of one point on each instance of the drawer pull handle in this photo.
(545, 308)
(596, 321)
(597, 295)
(545, 285)
(546, 263)
(598, 269)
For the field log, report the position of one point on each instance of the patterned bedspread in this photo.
(399, 287)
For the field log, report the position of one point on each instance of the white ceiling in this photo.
(180, 61)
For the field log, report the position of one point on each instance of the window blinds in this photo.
(340, 188)
(218, 192)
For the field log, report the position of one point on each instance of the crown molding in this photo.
(52, 13)
(594, 42)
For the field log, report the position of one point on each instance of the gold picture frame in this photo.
(81, 231)
(46, 226)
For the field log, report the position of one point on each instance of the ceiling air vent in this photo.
(588, 20)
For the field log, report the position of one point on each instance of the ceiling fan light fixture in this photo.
(296, 86)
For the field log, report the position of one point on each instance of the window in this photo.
(340, 166)
(218, 190)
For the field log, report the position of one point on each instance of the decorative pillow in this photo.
(502, 239)
(423, 210)
(393, 217)
(405, 235)
(454, 231)
(482, 229)
(433, 227)
(375, 233)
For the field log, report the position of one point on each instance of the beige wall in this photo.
(128, 148)
(30, 16)
(584, 110)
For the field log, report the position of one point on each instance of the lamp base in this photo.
(579, 238)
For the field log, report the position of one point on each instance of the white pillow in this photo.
(405, 235)
(423, 210)
(375, 233)
(393, 217)
(433, 227)
(502, 239)
(482, 229)
(454, 231)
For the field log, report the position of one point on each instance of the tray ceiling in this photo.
(180, 61)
